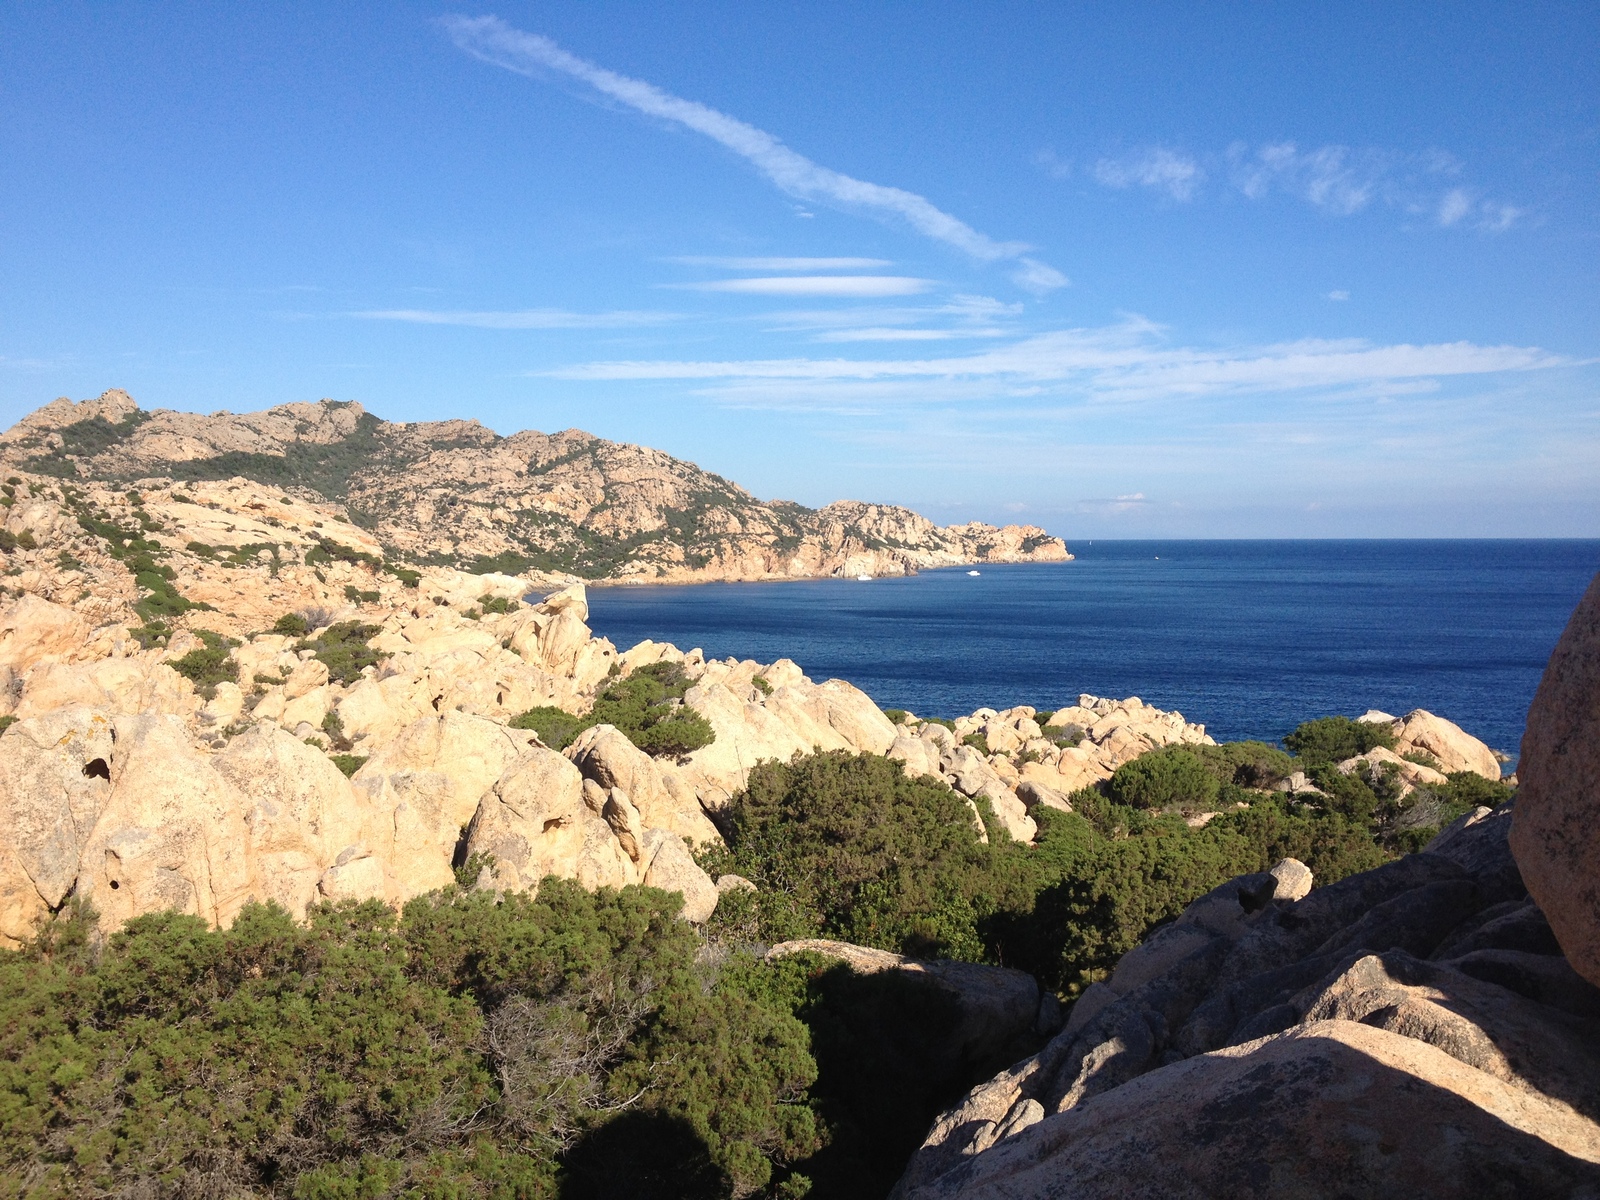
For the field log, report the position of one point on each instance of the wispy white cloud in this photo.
(1461, 206)
(863, 286)
(1165, 170)
(496, 42)
(781, 264)
(1127, 362)
(961, 316)
(1335, 179)
(1338, 294)
(1037, 277)
(885, 334)
(527, 318)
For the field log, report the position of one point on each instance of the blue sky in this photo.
(1121, 270)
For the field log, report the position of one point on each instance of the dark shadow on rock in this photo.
(643, 1156)
(885, 1069)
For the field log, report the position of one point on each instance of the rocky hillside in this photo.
(455, 493)
(154, 694)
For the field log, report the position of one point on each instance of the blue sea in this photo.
(1248, 637)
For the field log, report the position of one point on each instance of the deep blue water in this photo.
(1249, 637)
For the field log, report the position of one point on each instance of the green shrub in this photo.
(847, 846)
(556, 727)
(978, 741)
(356, 596)
(895, 715)
(291, 625)
(646, 706)
(1247, 764)
(1334, 739)
(473, 1046)
(1169, 777)
(327, 550)
(6, 723)
(1469, 790)
(468, 870)
(210, 665)
(343, 649)
(348, 763)
(406, 576)
(495, 604)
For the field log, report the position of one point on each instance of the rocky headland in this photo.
(456, 493)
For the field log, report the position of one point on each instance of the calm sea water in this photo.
(1249, 637)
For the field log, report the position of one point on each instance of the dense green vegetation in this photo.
(573, 1045)
(1334, 739)
(846, 846)
(580, 1045)
(84, 439)
(646, 705)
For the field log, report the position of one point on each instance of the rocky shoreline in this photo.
(280, 711)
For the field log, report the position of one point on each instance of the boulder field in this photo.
(134, 779)
(126, 783)
(1430, 1028)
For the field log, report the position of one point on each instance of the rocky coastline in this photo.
(283, 711)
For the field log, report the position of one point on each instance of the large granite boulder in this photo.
(1333, 1107)
(1556, 828)
(664, 800)
(1411, 1030)
(1421, 732)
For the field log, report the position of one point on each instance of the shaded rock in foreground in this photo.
(1556, 832)
(1333, 1107)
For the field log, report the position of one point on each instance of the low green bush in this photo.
(473, 1046)
(291, 625)
(211, 664)
(646, 706)
(1334, 739)
(1169, 777)
(343, 649)
(556, 727)
(348, 763)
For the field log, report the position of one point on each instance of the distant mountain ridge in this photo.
(456, 493)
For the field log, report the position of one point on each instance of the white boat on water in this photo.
(863, 578)
(974, 572)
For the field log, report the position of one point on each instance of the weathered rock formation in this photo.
(1556, 834)
(456, 491)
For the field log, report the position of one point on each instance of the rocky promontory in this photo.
(456, 493)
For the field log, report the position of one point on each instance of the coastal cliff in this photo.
(456, 493)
